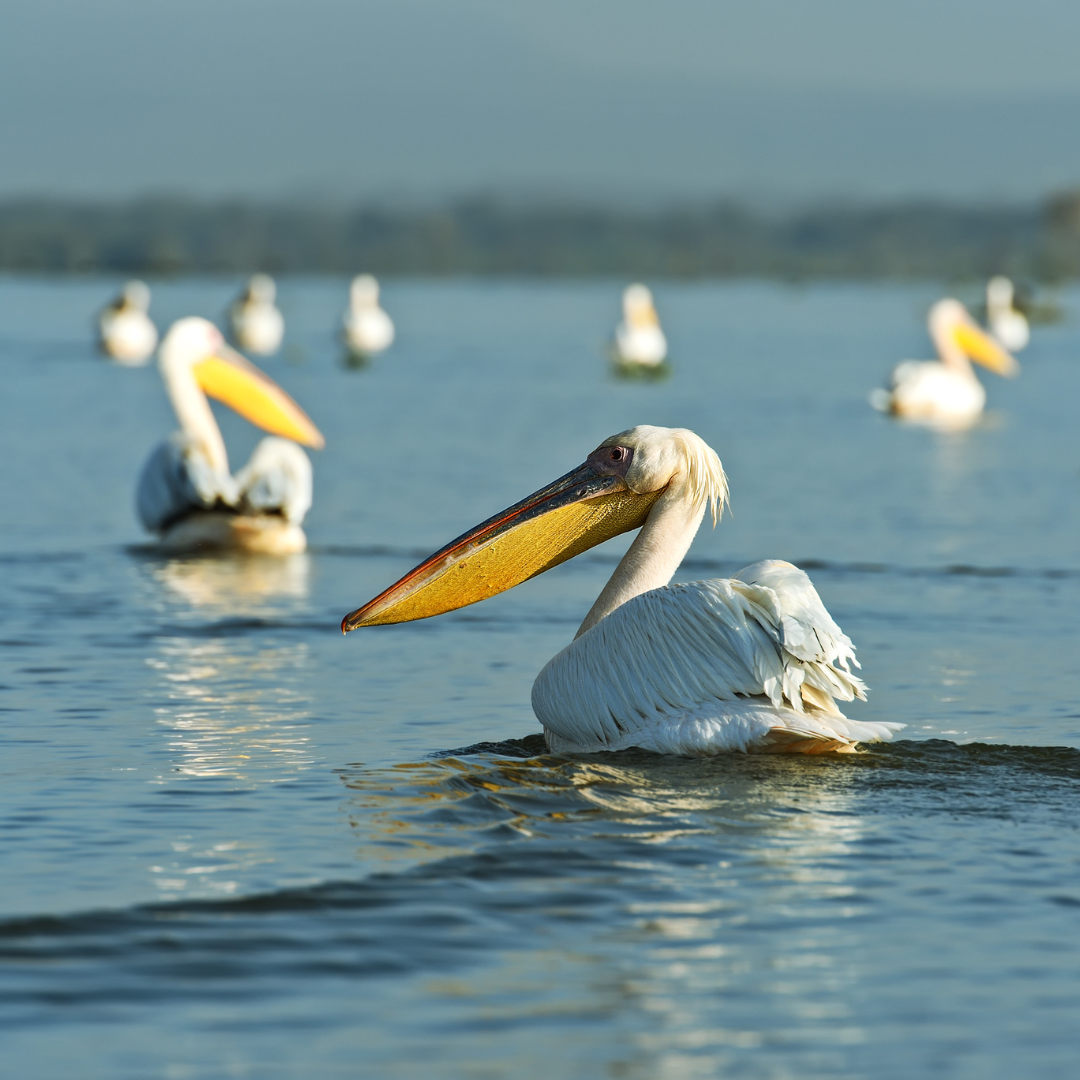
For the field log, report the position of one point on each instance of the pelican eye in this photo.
(611, 460)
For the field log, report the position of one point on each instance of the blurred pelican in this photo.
(750, 663)
(125, 330)
(945, 393)
(257, 325)
(186, 493)
(639, 341)
(366, 328)
(1006, 323)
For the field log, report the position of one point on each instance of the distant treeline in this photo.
(912, 240)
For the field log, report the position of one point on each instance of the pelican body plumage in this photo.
(751, 663)
(186, 494)
(945, 393)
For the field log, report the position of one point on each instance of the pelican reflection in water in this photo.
(228, 705)
(244, 586)
(750, 663)
(675, 883)
(186, 494)
(765, 811)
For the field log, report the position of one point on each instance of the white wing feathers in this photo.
(178, 479)
(816, 654)
(277, 479)
(675, 651)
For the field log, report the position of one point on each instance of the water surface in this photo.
(236, 844)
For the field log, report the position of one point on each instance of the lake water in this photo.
(236, 844)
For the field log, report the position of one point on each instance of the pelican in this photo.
(751, 663)
(1006, 323)
(125, 330)
(186, 494)
(366, 328)
(257, 325)
(945, 393)
(639, 341)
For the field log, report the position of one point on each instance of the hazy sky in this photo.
(774, 99)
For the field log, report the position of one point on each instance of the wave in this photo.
(503, 837)
(236, 626)
(500, 772)
(433, 918)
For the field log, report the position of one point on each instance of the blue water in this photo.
(235, 844)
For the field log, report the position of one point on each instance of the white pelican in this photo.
(366, 328)
(1006, 323)
(751, 663)
(125, 330)
(257, 325)
(639, 341)
(186, 493)
(945, 393)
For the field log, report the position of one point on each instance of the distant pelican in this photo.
(186, 493)
(945, 393)
(1006, 323)
(366, 328)
(125, 330)
(257, 325)
(639, 342)
(750, 663)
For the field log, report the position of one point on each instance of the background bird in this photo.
(1007, 324)
(945, 393)
(125, 330)
(256, 323)
(366, 328)
(186, 493)
(639, 341)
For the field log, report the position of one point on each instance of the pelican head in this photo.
(999, 294)
(261, 289)
(364, 291)
(194, 355)
(136, 295)
(958, 338)
(638, 308)
(611, 492)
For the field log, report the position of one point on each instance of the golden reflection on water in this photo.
(771, 904)
(215, 867)
(232, 707)
(658, 800)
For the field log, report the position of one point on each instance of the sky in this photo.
(770, 101)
